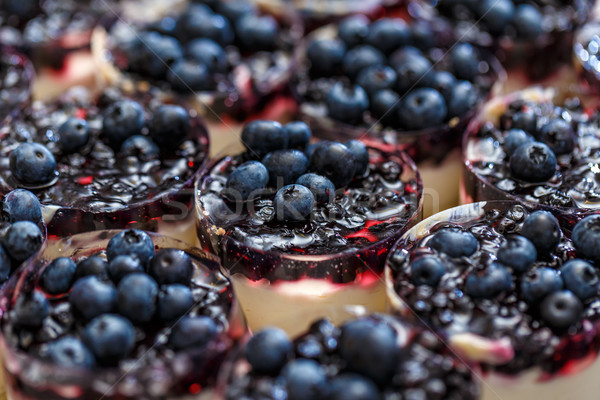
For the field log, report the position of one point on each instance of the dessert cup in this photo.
(16, 78)
(156, 372)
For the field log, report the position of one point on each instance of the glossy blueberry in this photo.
(22, 240)
(525, 120)
(32, 163)
(190, 76)
(131, 242)
(347, 103)
(325, 56)
(559, 135)
(514, 139)
(247, 180)
(58, 276)
(463, 98)
(261, 137)
(293, 203)
(443, 82)
(360, 153)
(93, 265)
(539, 283)
(136, 297)
(69, 352)
(305, 380)
(518, 253)
(581, 278)
(298, 133)
(268, 351)
(561, 309)
(159, 52)
(234, 10)
(208, 25)
(542, 229)
(422, 34)
(209, 53)
(586, 238)
(385, 105)
(488, 282)
(350, 386)
(91, 297)
(496, 14)
(528, 21)
(422, 108)
(121, 120)
(465, 61)
(412, 73)
(388, 34)
(31, 309)
(110, 337)
(140, 147)
(285, 166)
(334, 161)
(454, 242)
(375, 78)
(21, 205)
(123, 265)
(257, 32)
(427, 270)
(192, 332)
(359, 58)
(533, 162)
(403, 55)
(5, 265)
(73, 135)
(322, 188)
(174, 301)
(170, 126)
(170, 266)
(353, 30)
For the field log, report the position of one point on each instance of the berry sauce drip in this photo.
(16, 75)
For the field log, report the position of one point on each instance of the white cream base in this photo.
(441, 183)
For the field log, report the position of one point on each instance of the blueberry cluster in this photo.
(374, 357)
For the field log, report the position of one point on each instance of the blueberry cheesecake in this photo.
(373, 357)
(116, 315)
(305, 222)
(16, 78)
(512, 289)
(586, 53)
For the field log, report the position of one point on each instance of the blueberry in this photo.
(121, 120)
(140, 147)
(73, 135)
(581, 278)
(31, 309)
(247, 180)
(528, 21)
(91, 297)
(170, 126)
(359, 58)
(305, 380)
(110, 338)
(443, 82)
(192, 332)
(69, 352)
(347, 103)
(559, 136)
(561, 309)
(463, 98)
(207, 25)
(353, 30)
(131, 242)
(496, 14)
(370, 348)
(349, 386)
(190, 76)
(542, 229)
(518, 253)
(234, 10)
(454, 242)
(385, 106)
(322, 188)
(360, 153)
(5, 265)
(158, 53)
(293, 203)
(465, 61)
(334, 161)
(525, 120)
(25, 10)
(209, 53)
(93, 265)
(257, 32)
(261, 137)
(174, 301)
(422, 108)
(170, 266)
(375, 78)
(405, 54)
(388, 34)
(422, 34)
(539, 283)
(285, 166)
(325, 56)
(412, 73)
(21, 205)
(58, 276)
(586, 238)
(136, 297)
(533, 162)
(268, 351)
(489, 282)
(514, 139)
(22, 240)
(123, 265)
(427, 270)
(298, 134)
(32, 163)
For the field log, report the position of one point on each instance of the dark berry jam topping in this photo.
(16, 76)
(375, 357)
(507, 274)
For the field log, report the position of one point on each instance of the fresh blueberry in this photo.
(347, 103)
(170, 126)
(136, 297)
(427, 270)
(533, 162)
(443, 82)
(298, 133)
(542, 229)
(528, 21)
(349, 386)
(31, 309)
(123, 265)
(518, 253)
(121, 120)
(131, 242)
(190, 76)
(285, 166)
(91, 297)
(247, 180)
(561, 309)
(209, 53)
(159, 54)
(73, 135)
(405, 54)
(465, 61)
(22, 240)
(454, 242)
(412, 73)
(234, 10)
(69, 352)
(360, 153)
(559, 135)
(322, 188)
(21, 205)
(463, 98)
(581, 278)
(375, 78)
(539, 283)
(325, 56)
(5, 265)
(174, 301)
(32, 163)
(170, 266)
(334, 161)
(110, 338)
(586, 238)
(268, 351)
(422, 108)
(370, 348)
(192, 332)
(422, 34)
(93, 265)
(388, 34)
(140, 147)
(25, 10)
(489, 282)
(385, 106)
(305, 380)
(496, 14)
(261, 137)
(514, 139)
(207, 25)
(525, 120)
(293, 203)
(353, 30)
(58, 276)
(359, 58)
(257, 32)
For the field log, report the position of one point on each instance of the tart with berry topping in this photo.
(310, 223)
(16, 77)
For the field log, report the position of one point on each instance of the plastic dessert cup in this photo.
(156, 372)
(16, 78)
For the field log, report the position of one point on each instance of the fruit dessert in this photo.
(110, 161)
(373, 357)
(586, 53)
(513, 290)
(299, 223)
(535, 147)
(16, 76)
(116, 315)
